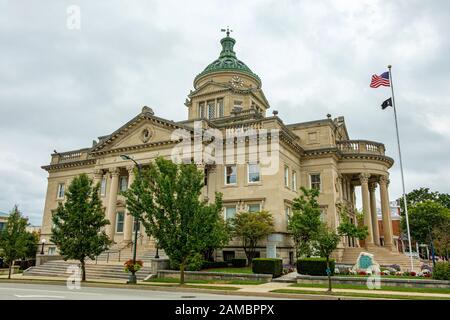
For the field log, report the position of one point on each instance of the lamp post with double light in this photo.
(132, 279)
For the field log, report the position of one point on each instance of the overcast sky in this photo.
(62, 88)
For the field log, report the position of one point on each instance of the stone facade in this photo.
(228, 98)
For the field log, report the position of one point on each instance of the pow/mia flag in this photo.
(386, 103)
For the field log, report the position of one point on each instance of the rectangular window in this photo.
(60, 194)
(230, 212)
(220, 107)
(52, 250)
(294, 181)
(256, 207)
(230, 174)
(315, 181)
(228, 255)
(103, 187)
(286, 176)
(323, 215)
(211, 109)
(2, 226)
(253, 172)
(287, 212)
(123, 183)
(201, 110)
(119, 222)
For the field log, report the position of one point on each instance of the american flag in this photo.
(381, 80)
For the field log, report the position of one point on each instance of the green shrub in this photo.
(268, 266)
(239, 262)
(314, 266)
(194, 263)
(441, 271)
(214, 264)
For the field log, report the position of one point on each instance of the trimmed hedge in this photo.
(441, 271)
(239, 262)
(268, 266)
(314, 266)
(214, 264)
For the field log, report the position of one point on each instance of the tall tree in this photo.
(326, 242)
(424, 217)
(305, 221)
(14, 238)
(166, 198)
(441, 236)
(424, 194)
(79, 222)
(348, 228)
(252, 227)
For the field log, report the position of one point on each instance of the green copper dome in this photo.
(227, 61)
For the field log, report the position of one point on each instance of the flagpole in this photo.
(401, 168)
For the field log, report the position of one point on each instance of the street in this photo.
(19, 291)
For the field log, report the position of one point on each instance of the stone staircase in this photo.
(58, 268)
(382, 256)
(108, 265)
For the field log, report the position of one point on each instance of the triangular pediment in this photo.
(143, 129)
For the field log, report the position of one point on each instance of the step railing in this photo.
(119, 251)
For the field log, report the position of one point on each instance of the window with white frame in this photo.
(315, 181)
(287, 213)
(123, 183)
(254, 207)
(294, 180)
(230, 174)
(60, 194)
(52, 250)
(230, 212)
(323, 215)
(253, 172)
(103, 187)
(220, 107)
(286, 176)
(211, 109)
(120, 218)
(201, 110)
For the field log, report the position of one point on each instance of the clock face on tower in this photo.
(237, 82)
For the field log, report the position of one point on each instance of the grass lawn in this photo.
(246, 270)
(382, 277)
(384, 288)
(361, 295)
(176, 280)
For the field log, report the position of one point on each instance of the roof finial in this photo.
(227, 30)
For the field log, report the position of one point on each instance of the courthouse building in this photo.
(228, 96)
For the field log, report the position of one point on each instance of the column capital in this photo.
(114, 172)
(384, 179)
(364, 177)
(98, 173)
(372, 186)
(130, 169)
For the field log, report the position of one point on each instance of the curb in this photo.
(295, 296)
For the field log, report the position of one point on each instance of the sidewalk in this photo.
(261, 289)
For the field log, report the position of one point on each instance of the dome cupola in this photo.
(227, 61)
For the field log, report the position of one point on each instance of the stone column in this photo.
(128, 223)
(373, 211)
(364, 178)
(98, 175)
(112, 201)
(386, 212)
(339, 181)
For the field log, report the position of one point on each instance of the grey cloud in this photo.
(61, 89)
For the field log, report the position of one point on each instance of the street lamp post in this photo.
(132, 279)
(42, 248)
